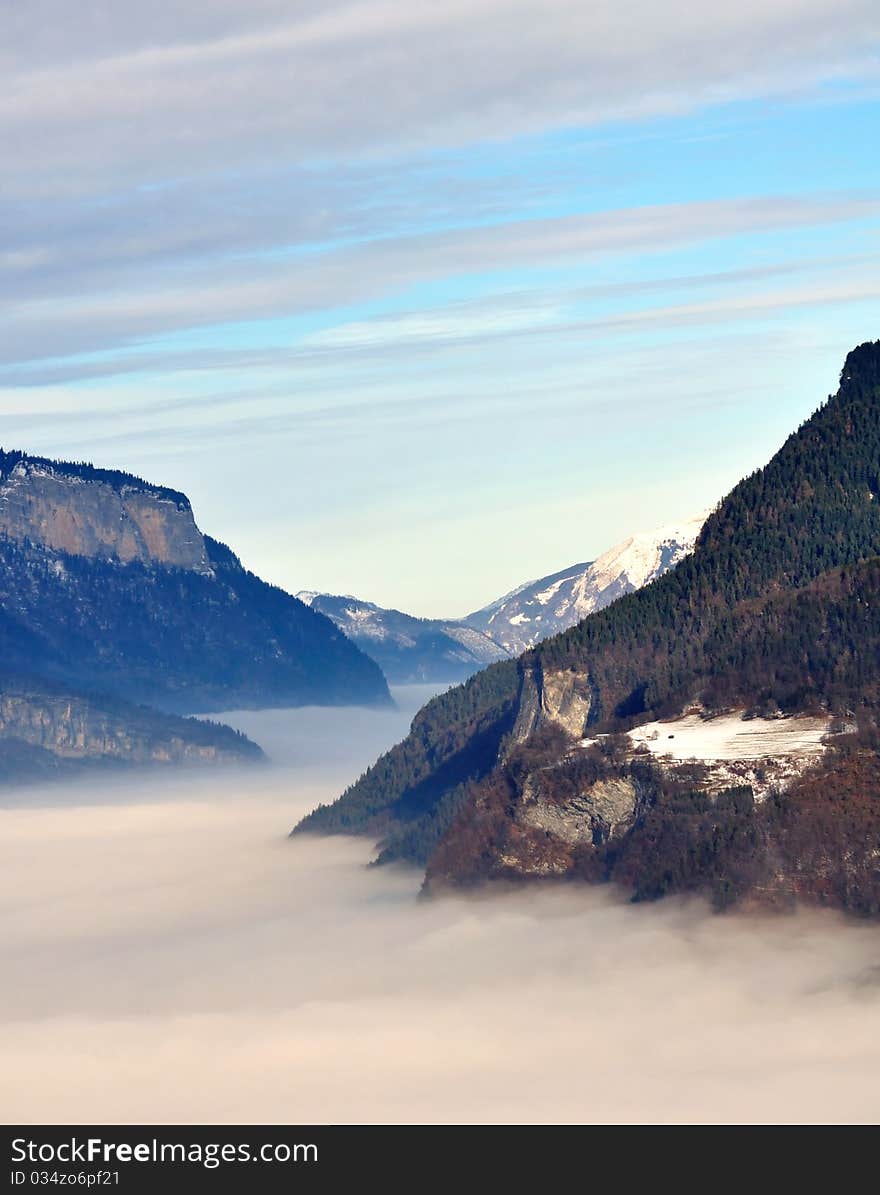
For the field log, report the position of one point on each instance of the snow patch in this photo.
(546, 594)
(732, 737)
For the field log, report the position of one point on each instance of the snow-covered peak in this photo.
(541, 608)
(646, 555)
(409, 648)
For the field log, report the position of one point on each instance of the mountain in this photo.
(537, 767)
(117, 615)
(409, 650)
(108, 586)
(542, 608)
(98, 513)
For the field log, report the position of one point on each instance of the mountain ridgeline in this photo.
(539, 609)
(112, 600)
(412, 650)
(409, 650)
(774, 613)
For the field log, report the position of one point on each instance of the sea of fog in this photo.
(168, 955)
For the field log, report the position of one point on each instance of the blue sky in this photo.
(418, 304)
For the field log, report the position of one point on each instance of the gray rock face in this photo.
(546, 836)
(77, 728)
(92, 518)
(591, 817)
(561, 699)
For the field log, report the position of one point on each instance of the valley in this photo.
(439, 581)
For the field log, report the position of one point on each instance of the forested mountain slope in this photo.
(107, 585)
(112, 600)
(773, 611)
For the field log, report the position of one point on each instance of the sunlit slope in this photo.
(743, 619)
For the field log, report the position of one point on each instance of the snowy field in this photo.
(730, 737)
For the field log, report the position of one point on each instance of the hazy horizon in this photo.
(170, 956)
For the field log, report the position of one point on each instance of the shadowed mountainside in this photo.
(107, 584)
(112, 600)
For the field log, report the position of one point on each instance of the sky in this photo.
(420, 301)
(169, 956)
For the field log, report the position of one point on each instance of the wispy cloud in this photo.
(153, 95)
(249, 239)
(218, 292)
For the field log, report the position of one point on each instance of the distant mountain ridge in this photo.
(47, 728)
(542, 608)
(112, 587)
(410, 649)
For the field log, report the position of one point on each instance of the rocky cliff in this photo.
(562, 699)
(96, 513)
(45, 728)
(108, 586)
(112, 600)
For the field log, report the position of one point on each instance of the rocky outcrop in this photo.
(560, 699)
(99, 516)
(591, 817)
(108, 586)
(547, 836)
(76, 728)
